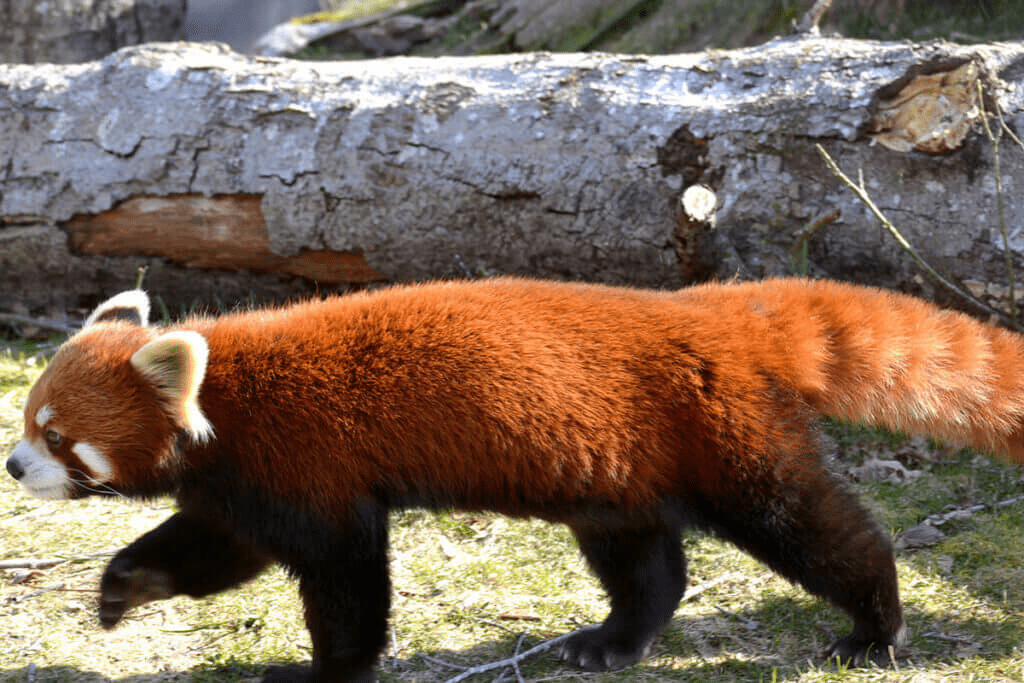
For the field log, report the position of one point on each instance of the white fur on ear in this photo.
(132, 306)
(175, 364)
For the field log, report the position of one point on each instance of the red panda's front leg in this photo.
(185, 554)
(345, 586)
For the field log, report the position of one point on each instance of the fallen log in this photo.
(276, 177)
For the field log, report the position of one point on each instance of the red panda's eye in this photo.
(53, 438)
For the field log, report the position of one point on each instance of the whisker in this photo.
(94, 488)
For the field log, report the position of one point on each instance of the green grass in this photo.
(351, 9)
(669, 26)
(963, 22)
(466, 586)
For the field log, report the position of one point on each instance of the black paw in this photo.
(854, 650)
(597, 648)
(125, 585)
(297, 673)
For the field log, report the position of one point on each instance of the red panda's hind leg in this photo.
(644, 573)
(811, 529)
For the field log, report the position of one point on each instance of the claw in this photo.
(125, 586)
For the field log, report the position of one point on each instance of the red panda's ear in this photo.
(175, 363)
(132, 306)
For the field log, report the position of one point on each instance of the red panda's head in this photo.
(107, 412)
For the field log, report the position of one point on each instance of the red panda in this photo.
(628, 415)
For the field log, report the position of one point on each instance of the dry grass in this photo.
(467, 586)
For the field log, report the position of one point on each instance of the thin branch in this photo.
(707, 585)
(28, 563)
(994, 139)
(45, 323)
(515, 658)
(394, 644)
(803, 238)
(48, 562)
(963, 513)
(37, 592)
(495, 624)
(511, 661)
(943, 637)
(140, 275)
(1007, 129)
(862, 194)
(749, 624)
(809, 23)
(443, 662)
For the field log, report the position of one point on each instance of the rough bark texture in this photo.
(279, 177)
(68, 31)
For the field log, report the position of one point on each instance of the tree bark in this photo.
(277, 177)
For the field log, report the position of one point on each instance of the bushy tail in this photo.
(888, 359)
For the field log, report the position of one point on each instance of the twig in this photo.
(942, 636)
(515, 658)
(1007, 129)
(443, 662)
(707, 585)
(38, 592)
(803, 237)
(519, 617)
(495, 624)
(809, 23)
(999, 198)
(748, 623)
(140, 275)
(46, 563)
(25, 563)
(45, 323)
(962, 513)
(511, 661)
(861, 191)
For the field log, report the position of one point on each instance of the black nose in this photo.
(15, 470)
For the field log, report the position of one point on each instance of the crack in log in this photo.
(190, 185)
(567, 212)
(508, 195)
(295, 177)
(437, 150)
(96, 143)
(379, 152)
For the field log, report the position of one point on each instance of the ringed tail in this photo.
(888, 359)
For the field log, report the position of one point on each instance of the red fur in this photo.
(572, 402)
(519, 393)
(516, 392)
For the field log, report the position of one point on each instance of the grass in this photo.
(352, 9)
(963, 22)
(668, 26)
(465, 587)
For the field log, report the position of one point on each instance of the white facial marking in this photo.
(99, 465)
(44, 415)
(42, 475)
